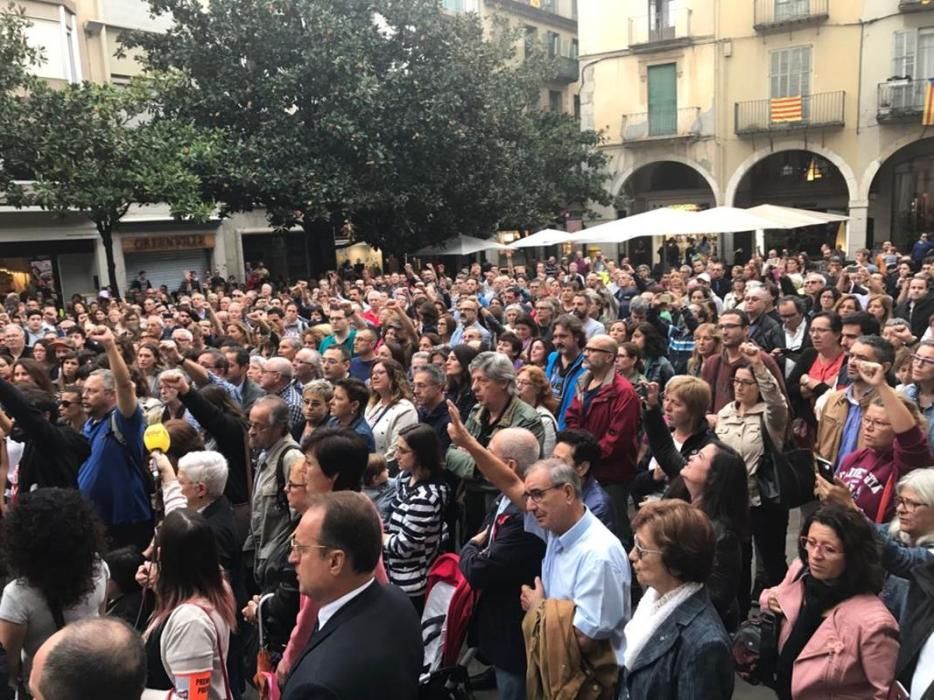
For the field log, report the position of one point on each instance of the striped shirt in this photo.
(417, 530)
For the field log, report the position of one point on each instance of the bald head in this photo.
(98, 657)
(517, 447)
(600, 355)
(276, 374)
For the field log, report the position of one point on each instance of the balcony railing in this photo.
(915, 5)
(661, 125)
(566, 69)
(824, 110)
(771, 15)
(900, 99)
(672, 28)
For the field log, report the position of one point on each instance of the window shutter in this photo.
(904, 49)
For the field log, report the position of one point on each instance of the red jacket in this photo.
(613, 418)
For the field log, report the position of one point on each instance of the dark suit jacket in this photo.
(249, 393)
(924, 307)
(766, 333)
(370, 648)
(689, 656)
(220, 517)
(513, 558)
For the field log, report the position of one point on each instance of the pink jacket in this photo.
(851, 655)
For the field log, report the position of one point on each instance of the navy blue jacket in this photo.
(690, 657)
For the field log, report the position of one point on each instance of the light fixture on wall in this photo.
(815, 170)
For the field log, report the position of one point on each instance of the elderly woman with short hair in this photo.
(676, 646)
(316, 399)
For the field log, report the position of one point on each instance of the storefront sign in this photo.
(146, 244)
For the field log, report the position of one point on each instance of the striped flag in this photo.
(927, 116)
(787, 109)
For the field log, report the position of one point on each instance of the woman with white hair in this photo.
(912, 526)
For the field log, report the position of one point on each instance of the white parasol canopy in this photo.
(794, 218)
(664, 221)
(546, 237)
(461, 245)
(729, 220)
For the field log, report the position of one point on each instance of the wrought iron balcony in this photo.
(567, 70)
(900, 99)
(915, 5)
(660, 31)
(825, 110)
(779, 15)
(661, 125)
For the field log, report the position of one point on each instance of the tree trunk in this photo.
(106, 231)
(320, 247)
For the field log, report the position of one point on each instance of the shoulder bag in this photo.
(785, 478)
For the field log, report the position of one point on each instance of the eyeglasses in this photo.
(642, 551)
(294, 546)
(729, 326)
(289, 485)
(537, 495)
(744, 382)
(590, 349)
(923, 360)
(908, 504)
(812, 545)
(875, 424)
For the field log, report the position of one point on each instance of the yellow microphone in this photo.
(156, 440)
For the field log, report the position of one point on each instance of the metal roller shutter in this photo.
(167, 267)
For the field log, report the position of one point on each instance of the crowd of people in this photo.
(589, 439)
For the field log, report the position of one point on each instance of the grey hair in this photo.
(421, 355)
(321, 387)
(897, 321)
(291, 340)
(497, 368)
(258, 360)
(514, 307)
(519, 445)
(435, 374)
(278, 410)
(921, 481)
(183, 333)
(560, 473)
(14, 327)
(638, 305)
(107, 378)
(206, 467)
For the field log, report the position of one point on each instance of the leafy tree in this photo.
(16, 56)
(388, 115)
(95, 149)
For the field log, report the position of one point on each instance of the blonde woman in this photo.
(533, 387)
(706, 343)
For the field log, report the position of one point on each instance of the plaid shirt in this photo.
(293, 397)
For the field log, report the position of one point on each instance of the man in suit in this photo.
(367, 641)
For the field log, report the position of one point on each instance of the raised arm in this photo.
(123, 383)
(873, 374)
(494, 469)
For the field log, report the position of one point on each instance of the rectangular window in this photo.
(575, 48)
(555, 103)
(661, 20)
(550, 6)
(791, 9)
(531, 39)
(790, 72)
(663, 99)
(903, 53)
(577, 107)
(554, 44)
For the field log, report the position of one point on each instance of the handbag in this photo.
(786, 477)
(755, 649)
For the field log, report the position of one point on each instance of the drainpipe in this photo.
(859, 84)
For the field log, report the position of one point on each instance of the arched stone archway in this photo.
(897, 190)
(621, 177)
(746, 166)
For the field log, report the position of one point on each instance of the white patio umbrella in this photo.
(794, 218)
(729, 220)
(664, 221)
(546, 237)
(461, 245)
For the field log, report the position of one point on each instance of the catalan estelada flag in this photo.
(927, 116)
(786, 109)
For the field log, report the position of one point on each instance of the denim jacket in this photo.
(689, 657)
